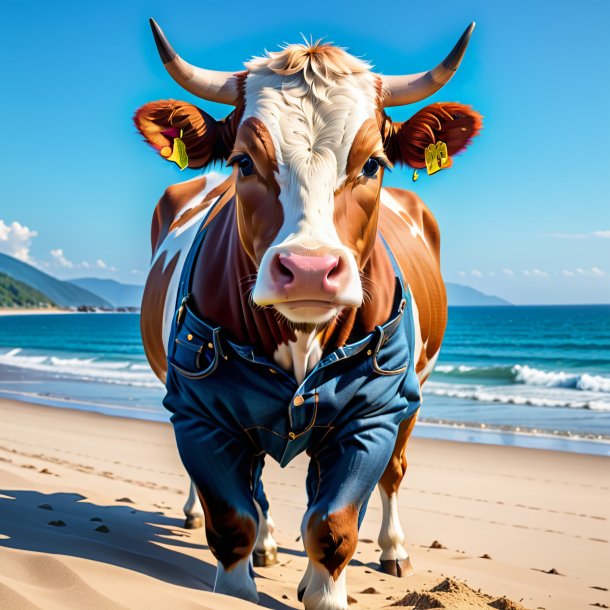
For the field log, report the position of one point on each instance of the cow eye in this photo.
(371, 167)
(246, 166)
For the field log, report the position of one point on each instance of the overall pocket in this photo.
(193, 356)
(389, 358)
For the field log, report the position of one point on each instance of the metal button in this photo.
(369, 352)
(211, 345)
(273, 371)
(298, 401)
(189, 337)
(292, 436)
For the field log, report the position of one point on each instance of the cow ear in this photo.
(160, 122)
(454, 124)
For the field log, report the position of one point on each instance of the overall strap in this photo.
(397, 271)
(186, 276)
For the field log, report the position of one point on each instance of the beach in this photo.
(32, 311)
(541, 518)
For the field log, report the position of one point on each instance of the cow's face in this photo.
(309, 162)
(309, 141)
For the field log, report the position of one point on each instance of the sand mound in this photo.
(453, 594)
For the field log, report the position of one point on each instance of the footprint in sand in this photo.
(552, 571)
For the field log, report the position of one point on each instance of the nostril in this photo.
(282, 272)
(335, 269)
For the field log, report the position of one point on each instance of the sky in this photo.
(524, 212)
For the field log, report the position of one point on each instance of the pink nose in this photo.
(309, 277)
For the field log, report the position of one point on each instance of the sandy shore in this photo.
(530, 511)
(32, 311)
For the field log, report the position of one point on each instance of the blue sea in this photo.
(529, 376)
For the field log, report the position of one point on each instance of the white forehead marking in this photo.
(312, 116)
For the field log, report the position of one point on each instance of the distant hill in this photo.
(63, 294)
(459, 295)
(14, 293)
(120, 295)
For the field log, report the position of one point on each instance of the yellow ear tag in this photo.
(179, 155)
(415, 175)
(437, 158)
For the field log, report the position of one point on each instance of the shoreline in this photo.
(492, 518)
(428, 428)
(34, 311)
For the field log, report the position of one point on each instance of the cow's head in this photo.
(309, 141)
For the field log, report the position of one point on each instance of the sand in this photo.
(502, 517)
(32, 311)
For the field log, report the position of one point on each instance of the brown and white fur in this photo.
(292, 261)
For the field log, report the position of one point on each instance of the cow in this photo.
(296, 305)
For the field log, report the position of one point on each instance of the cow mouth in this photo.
(313, 303)
(309, 311)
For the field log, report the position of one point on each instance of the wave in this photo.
(526, 375)
(87, 369)
(537, 396)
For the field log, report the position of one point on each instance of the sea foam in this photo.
(526, 375)
(88, 369)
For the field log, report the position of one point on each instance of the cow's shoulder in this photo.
(181, 201)
(415, 213)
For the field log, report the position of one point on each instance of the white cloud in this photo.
(15, 240)
(535, 273)
(593, 272)
(507, 271)
(603, 234)
(462, 273)
(60, 259)
(476, 273)
(100, 264)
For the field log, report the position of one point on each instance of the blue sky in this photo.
(524, 212)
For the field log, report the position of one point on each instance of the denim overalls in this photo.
(232, 406)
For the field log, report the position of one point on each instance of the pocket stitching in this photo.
(376, 366)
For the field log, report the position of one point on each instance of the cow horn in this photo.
(412, 88)
(209, 85)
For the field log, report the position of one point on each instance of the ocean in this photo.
(528, 376)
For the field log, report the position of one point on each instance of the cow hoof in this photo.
(193, 522)
(264, 559)
(397, 567)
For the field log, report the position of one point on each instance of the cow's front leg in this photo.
(341, 478)
(394, 557)
(265, 549)
(193, 513)
(225, 474)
